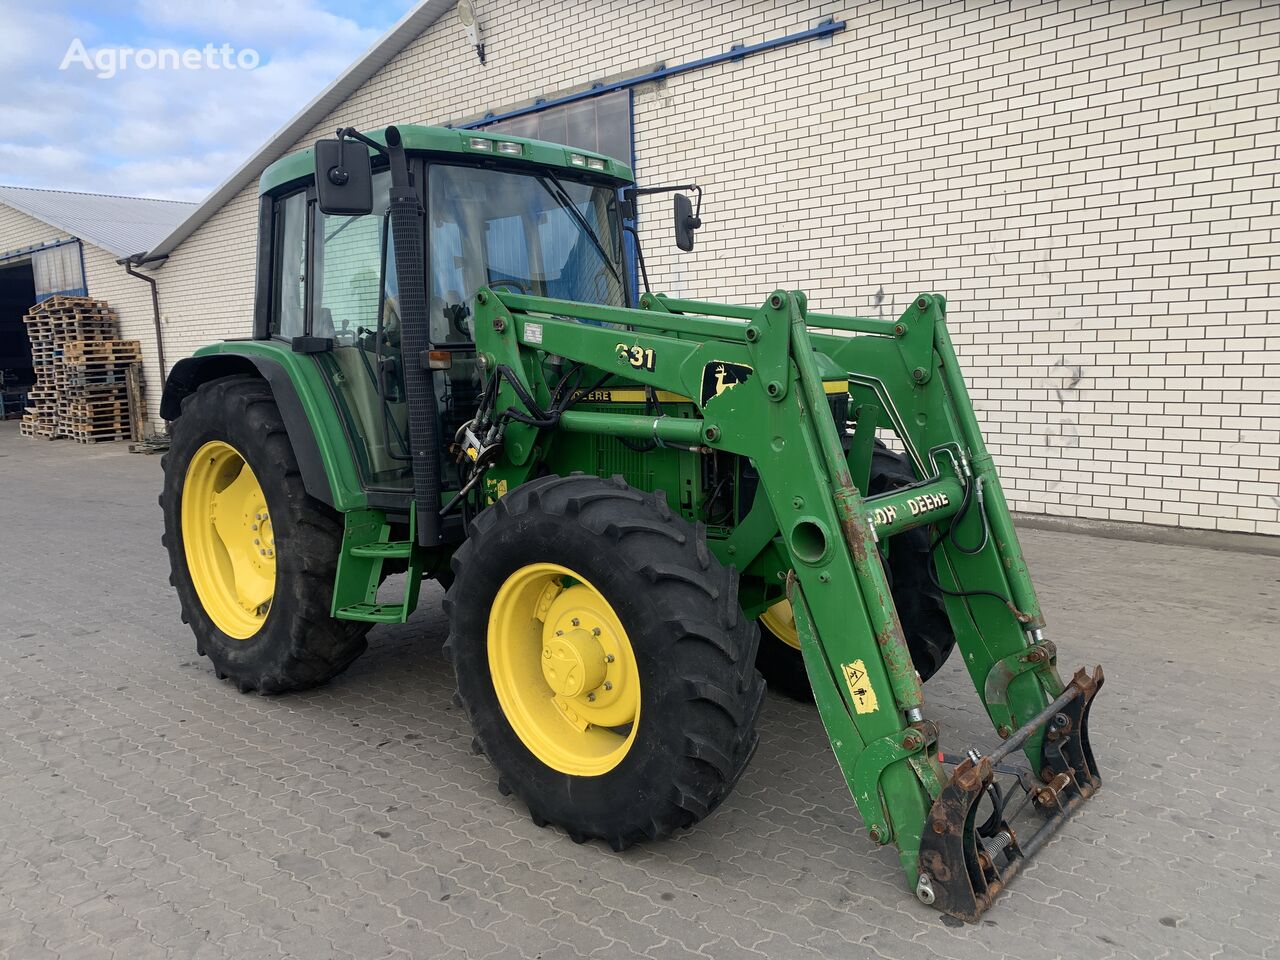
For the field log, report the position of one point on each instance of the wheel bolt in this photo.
(591, 697)
(574, 621)
(595, 631)
(559, 633)
(608, 684)
(608, 658)
(256, 541)
(253, 526)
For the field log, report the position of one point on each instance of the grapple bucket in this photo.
(965, 864)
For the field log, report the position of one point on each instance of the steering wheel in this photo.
(521, 286)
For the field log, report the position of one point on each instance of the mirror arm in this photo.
(632, 192)
(351, 133)
(644, 273)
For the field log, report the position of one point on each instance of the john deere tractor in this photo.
(639, 505)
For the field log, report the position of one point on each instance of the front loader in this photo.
(638, 504)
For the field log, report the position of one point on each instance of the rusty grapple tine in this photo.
(961, 872)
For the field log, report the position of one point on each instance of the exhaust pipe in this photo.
(405, 212)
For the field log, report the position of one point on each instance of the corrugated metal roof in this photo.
(120, 225)
(410, 27)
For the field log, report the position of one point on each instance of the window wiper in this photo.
(561, 196)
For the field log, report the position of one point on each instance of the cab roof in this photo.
(446, 140)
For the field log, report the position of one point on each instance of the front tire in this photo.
(252, 556)
(603, 659)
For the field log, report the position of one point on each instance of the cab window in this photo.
(289, 273)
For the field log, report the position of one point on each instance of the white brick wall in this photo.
(1092, 184)
(19, 231)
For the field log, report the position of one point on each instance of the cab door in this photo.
(354, 305)
(327, 286)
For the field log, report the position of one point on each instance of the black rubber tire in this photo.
(300, 644)
(700, 692)
(920, 604)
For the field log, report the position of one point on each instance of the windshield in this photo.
(530, 233)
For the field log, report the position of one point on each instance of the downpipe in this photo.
(128, 263)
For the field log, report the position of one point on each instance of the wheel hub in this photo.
(573, 663)
(564, 670)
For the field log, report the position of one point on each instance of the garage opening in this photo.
(17, 373)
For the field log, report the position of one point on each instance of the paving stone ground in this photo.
(148, 810)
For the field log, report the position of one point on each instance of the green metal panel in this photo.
(317, 402)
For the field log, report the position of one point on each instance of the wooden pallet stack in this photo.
(87, 380)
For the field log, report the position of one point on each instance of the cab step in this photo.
(386, 551)
(367, 545)
(373, 612)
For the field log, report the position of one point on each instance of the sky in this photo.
(78, 113)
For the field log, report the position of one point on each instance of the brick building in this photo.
(1092, 184)
(60, 241)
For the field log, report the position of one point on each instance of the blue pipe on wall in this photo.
(736, 52)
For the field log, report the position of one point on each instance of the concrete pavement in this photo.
(148, 810)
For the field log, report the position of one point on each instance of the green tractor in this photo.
(642, 507)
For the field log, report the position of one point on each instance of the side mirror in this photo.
(344, 178)
(686, 222)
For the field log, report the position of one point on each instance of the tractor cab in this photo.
(496, 212)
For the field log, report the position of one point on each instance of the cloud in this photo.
(281, 22)
(152, 132)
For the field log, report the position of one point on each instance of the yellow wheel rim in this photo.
(228, 539)
(563, 670)
(781, 622)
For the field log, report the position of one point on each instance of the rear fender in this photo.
(319, 442)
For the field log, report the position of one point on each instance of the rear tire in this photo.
(694, 722)
(921, 610)
(297, 644)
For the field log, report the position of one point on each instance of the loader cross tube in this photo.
(867, 691)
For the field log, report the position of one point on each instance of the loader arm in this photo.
(753, 376)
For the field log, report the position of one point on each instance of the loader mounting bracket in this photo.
(961, 870)
(871, 764)
(1042, 657)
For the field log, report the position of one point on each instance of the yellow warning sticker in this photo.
(864, 698)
